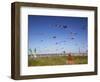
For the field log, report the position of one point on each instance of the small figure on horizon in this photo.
(70, 59)
(35, 53)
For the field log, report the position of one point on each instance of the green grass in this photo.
(56, 60)
(80, 59)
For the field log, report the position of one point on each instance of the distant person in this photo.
(34, 54)
(70, 59)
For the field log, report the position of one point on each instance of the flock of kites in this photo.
(72, 36)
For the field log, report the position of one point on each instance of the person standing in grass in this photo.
(70, 59)
(35, 53)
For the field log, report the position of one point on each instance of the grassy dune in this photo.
(56, 60)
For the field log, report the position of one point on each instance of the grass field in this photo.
(56, 60)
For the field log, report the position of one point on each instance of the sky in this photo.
(57, 34)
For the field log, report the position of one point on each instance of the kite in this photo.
(41, 40)
(64, 26)
(54, 37)
(56, 43)
(72, 38)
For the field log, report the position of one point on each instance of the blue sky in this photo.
(55, 34)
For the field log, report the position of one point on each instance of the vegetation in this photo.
(56, 60)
